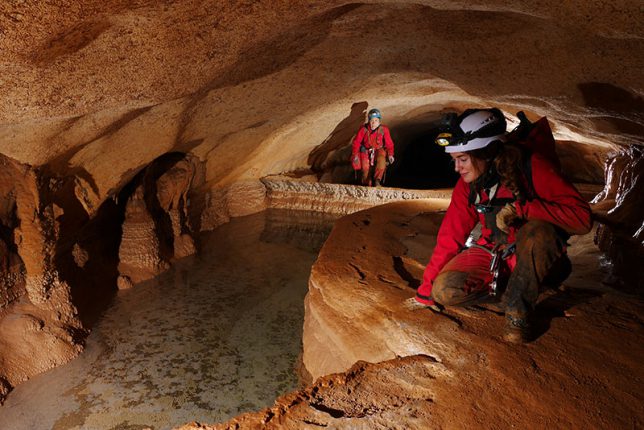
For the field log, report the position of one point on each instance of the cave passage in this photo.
(420, 163)
(216, 335)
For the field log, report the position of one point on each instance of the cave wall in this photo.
(156, 226)
(12, 283)
(36, 307)
(128, 79)
(620, 212)
(95, 93)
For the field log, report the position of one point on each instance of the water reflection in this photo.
(217, 335)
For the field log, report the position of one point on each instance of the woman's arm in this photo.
(355, 149)
(458, 223)
(389, 143)
(557, 201)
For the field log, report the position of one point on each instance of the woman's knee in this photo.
(448, 287)
(537, 230)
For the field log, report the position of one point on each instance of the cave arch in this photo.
(419, 164)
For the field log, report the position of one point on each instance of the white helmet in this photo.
(474, 129)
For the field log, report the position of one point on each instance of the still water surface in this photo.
(217, 335)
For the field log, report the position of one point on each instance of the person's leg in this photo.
(364, 160)
(541, 261)
(464, 280)
(381, 164)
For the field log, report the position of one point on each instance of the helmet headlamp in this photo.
(443, 139)
(474, 129)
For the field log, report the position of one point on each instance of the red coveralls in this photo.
(368, 149)
(464, 275)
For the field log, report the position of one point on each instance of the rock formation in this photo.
(618, 208)
(36, 307)
(128, 127)
(416, 369)
(156, 229)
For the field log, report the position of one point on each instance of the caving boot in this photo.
(517, 329)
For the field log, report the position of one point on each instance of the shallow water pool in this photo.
(216, 335)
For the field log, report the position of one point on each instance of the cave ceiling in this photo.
(99, 89)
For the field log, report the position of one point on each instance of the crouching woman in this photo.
(527, 211)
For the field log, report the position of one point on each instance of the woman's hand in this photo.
(506, 216)
(413, 305)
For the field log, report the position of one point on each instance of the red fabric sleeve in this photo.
(389, 143)
(557, 201)
(357, 141)
(458, 223)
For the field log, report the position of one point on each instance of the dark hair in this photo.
(507, 159)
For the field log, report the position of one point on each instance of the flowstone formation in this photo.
(157, 228)
(36, 309)
(618, 207)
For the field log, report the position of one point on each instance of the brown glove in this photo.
(355, 162)
(506, 216)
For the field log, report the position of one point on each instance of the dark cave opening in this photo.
(420, 163)
(87, 252)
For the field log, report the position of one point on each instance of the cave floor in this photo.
(217, 335)
(384, 366)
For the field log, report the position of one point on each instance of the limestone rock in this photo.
(140, 251)
(35, 303)
(124, 282)
(289, 193)
(618, 207)
(199, 100)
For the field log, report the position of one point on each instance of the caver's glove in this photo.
(355, 162)
(391, 159)
(412, 304)
(506, 217)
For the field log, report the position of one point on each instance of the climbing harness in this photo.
(498, 253)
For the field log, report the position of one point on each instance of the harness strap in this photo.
(498, 254)
(367, 137)
(490, 194)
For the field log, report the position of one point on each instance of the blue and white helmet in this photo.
(374, 113)
(474, 129)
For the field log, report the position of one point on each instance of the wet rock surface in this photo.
(97, 93)
(420, 369)
(302, 194)
(36, 309)
(619, 210)
(214, 336)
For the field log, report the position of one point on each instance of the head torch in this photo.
(453, 138)
(456, 136)
(449, 130)
(443, 139)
